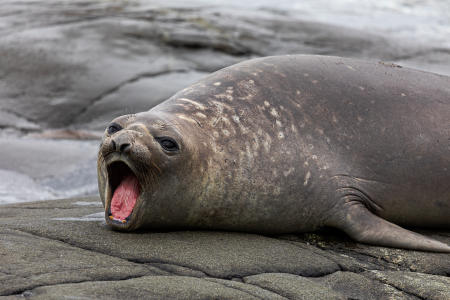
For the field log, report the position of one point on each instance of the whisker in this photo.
(156, 167)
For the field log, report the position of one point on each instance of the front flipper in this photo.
(363, 226)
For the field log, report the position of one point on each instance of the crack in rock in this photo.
(120, 85)
(179, 270)
(421, 285)
(251, 289)
(28, 291)
(397, 289)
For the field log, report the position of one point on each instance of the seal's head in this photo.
(140, 162)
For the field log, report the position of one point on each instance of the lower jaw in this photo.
(119, 224)
(118, 221)
(126, 224)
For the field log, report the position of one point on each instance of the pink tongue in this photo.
(125, 197)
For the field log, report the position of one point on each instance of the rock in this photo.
(292, 286)
(53, 75)
(67, 134)
(63, 63)
(217, 254)
(10, 120)
(29, 261)
(416, 261)
(139, 95)
(147, 287)
(63, 247)
(423, 286)
(356, 286)
(251, 289)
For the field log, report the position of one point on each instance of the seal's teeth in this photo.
(118, 220)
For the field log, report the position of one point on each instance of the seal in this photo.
(288, 144)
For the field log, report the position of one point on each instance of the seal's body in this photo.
(289, 144)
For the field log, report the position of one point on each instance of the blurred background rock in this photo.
(68, 67)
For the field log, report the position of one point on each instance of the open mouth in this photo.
(125, 190)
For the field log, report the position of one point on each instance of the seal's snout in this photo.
(121, 143)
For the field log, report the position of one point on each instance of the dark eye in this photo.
(113, 128)
(168, 143)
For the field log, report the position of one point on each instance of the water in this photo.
(38, 169)
(427, 20)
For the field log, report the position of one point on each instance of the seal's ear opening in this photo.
(125, 190)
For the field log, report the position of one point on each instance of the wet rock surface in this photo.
(51, 249)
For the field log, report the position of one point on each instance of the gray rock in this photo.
(217, 254)
(412, 260)
(423, 286)
(29, 261)
(251, 289)
(53, 75)
(63, 247)
(153, 287)
(376, 257)
(10, 120)
(293, 286)
(356, 286)
(139, 94)
(345, 261)
(178, 270)
(60, 60)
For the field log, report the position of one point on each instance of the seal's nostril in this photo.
(113, 145)
(124, 147)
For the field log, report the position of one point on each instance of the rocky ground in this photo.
(62, 249)
(68, 67)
